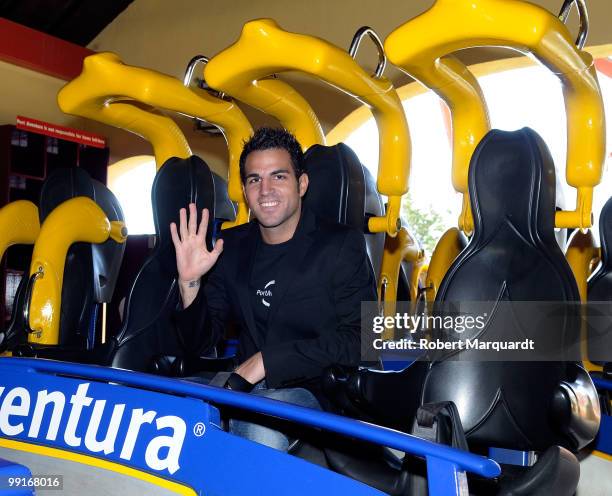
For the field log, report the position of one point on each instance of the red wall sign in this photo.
(60, 132)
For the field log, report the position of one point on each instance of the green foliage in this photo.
(427, 225)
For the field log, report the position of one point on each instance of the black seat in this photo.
(77, 291)
(513, 256)
(90, 271)
(147, 333)
(342, 190)
(600, 290)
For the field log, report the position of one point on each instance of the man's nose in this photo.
(266, 185)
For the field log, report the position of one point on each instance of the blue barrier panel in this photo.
(603, 442)
(512, 457)
(602, 383)
(165, 434)
(14, 479)
(399, 360)
(444, 477)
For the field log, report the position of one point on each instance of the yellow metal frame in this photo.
(580, 253)
(264, 49)
(77, 219)
(162, 132)
(106, 82)
(280, 100)
(401, 247)
(453, 82)
(362, 114)
(19, 224)
(447, 249)
(525, 27)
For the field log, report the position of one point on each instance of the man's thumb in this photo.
(218, 248)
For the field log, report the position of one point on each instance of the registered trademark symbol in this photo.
(199, 429)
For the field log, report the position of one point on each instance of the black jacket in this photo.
(315, 319)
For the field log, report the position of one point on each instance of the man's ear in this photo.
(303, 184)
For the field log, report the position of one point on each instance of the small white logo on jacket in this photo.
(265, 292)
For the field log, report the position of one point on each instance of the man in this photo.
(293, 283)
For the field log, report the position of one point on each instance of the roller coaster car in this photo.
(513, 256)
(177, 441)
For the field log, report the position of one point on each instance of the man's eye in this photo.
(253, 180)
(280, 176)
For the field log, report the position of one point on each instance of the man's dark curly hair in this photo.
(266, 138)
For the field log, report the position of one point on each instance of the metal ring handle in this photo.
(583, 17)
(191, 68)
(382, 58)
(28, 297)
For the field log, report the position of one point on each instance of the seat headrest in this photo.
(66, 183)
(340, 188)
(512, 179)
(178, 183)
(61, 185)
(512, 189)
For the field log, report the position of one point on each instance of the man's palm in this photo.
(193, 259)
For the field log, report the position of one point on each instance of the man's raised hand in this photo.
(193, 259)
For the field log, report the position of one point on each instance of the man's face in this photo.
(272, 191)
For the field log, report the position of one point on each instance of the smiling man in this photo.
(293, 283)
